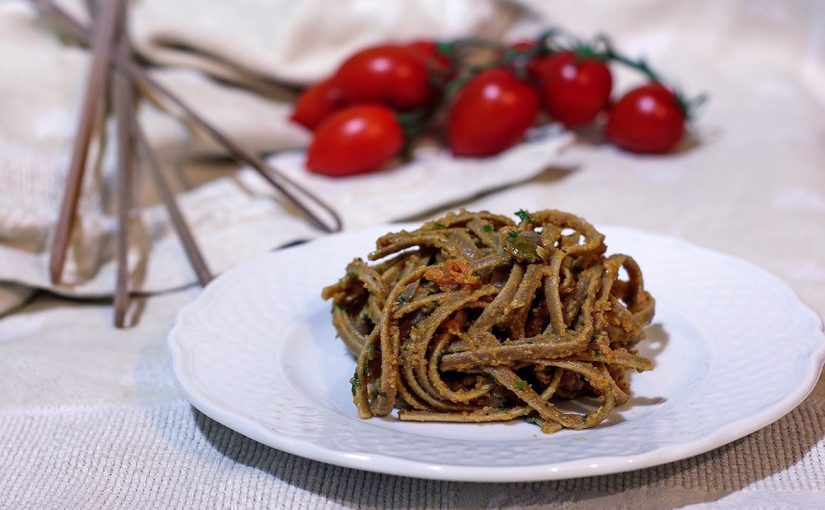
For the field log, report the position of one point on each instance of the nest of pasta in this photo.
(476, 318)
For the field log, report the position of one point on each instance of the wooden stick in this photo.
(190, 246)
(95, 87)
(138, 138)
(123, 104)
(240, 152)
(281, 182)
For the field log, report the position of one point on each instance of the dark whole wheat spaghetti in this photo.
(476, 318)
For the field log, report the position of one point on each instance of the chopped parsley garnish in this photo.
(355, 382)
(520, 384)
(532, 420)
(487, 227)
(400, 300)
(512, 234)
(524, 216)
(439, 225)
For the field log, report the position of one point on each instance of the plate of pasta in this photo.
(493, 348)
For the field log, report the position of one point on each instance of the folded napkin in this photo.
(268, 47)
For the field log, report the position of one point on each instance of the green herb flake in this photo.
(439, 226)
(355, 382)
(524, 216)
(369, 322)
(520, 384)
(532, 420)
(487, 227)
(512, 234)
(400, 300)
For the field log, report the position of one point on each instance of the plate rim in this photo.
(591, 466)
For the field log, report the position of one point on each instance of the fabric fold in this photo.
(237, 64)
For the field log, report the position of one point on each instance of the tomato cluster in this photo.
(382, 97)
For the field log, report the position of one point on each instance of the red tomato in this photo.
(435, 60)
(390, 74)
(539, 66)
(316, 103)
(648, 119)
(490, 113)
(355, 140)
(574, 89)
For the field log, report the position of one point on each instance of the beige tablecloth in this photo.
(90, 416)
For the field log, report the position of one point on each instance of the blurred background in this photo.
(754, 154)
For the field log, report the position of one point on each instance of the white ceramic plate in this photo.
(734, 349)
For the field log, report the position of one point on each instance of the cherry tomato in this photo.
(537, 65)
(433, 58)
(316, 103)
(648, 119)
(574, 89)
(490, 113)
(355, 140)
(390, 74)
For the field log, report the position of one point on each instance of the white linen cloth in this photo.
(90, 417)
(253, 43)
